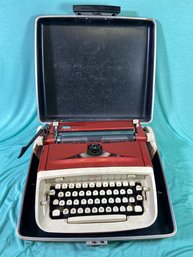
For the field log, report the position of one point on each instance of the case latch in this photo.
(96, 242)
(96, 10)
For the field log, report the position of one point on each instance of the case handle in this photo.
(96, 10)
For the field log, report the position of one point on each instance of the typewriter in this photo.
(95, 180)
(95, 79)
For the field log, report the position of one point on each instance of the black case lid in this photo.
(93, 68)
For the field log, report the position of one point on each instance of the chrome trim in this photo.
(93, 16)
(45, 239)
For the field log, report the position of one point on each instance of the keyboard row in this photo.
(98, 184)
(102, 192)
(70, 212)
(91, 201)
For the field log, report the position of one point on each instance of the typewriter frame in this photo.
(164, 225)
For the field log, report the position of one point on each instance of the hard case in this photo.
(137, 38)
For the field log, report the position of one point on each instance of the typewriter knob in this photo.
(94, 149)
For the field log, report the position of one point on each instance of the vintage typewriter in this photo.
(95, 78)
(95, 180)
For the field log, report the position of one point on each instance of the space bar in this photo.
(96, 219)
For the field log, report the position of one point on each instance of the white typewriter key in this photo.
(90, 201)
(83, 201)
(80, 210)
(105, 184)
(98, 184)
(88, 193)
(115, 209)
(56, 213)
(122, 192)
(131, 199)
(129, 191)
(65, 211)
(64, 186)
(81, 193)
(57, 186)
(125, 200)
(138, 208)
(115, 192)
(118, 184)
(138, 188)
(76, 202)
(112, 184)
(139, 198)
(118, 200)
(78, 185)
(122, 209)
(95, 192)
(60, 194)
(68, 194)
(87, 210)
(129, 208)
(52, 192)
(125, 183)
(74, 193)
(55, 202)
(61, 203)
(97, 201)
(104, 201)
(102, 192)
(69, 202)
(132, 183)
(108, 209)
(109, 192)
(111, 200)
(73, 211)
(94, 210)
(71, 185)
(91, 184)
(85, 185)
(101, 209)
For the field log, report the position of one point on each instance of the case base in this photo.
(164, 226)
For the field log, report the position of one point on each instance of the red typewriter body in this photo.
(68, 155)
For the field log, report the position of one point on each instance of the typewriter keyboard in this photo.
(96, 198)
(92, 200)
